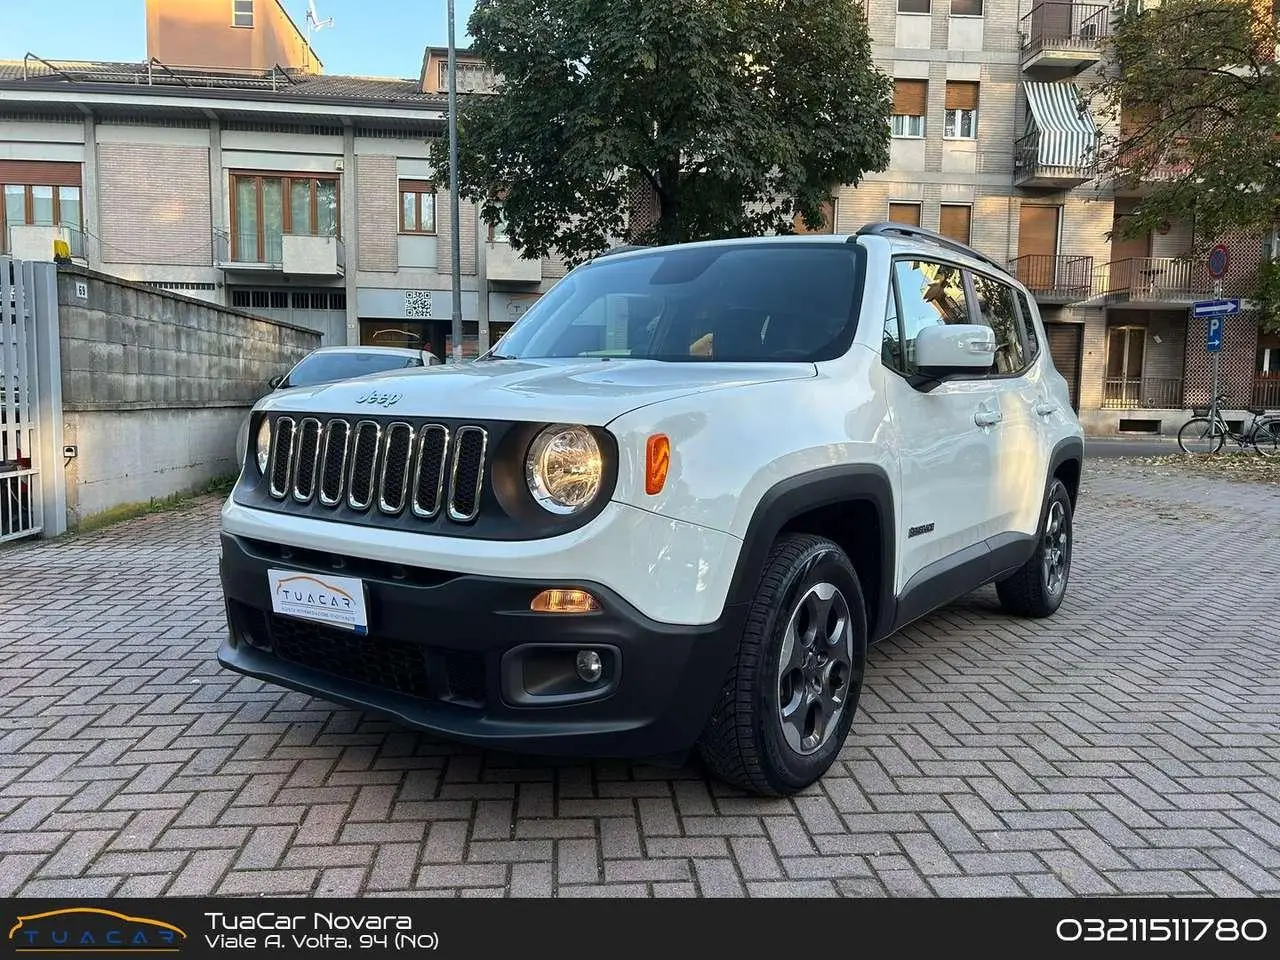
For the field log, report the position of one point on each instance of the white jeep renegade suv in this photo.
(671, 508)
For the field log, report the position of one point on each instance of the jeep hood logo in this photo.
(381, 399)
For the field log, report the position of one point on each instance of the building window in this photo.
(956, 221)
(909, 99)
(417, 206)
(966, 8)
(914, 6)
(962, 110)
(473, 77)
(265, 207)
(242, 13)
(41, 205)
(905, 212)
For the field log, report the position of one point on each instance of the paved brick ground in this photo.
(1129, 745)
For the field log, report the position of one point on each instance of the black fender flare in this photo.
(813, 490)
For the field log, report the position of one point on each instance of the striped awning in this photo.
(1068, 135)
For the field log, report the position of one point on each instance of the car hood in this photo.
(591, 392)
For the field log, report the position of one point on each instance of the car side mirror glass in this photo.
(955, 348)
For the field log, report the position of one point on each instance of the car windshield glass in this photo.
(328, 367)
(757, 302)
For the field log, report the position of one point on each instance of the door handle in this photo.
(987, 418)
(1045, 408)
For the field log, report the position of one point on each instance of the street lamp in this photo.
(455, 230)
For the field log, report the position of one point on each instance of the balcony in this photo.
(1061, 39)
(1144, 393)
(1055, 279)
(1030, 168)
(295, 255)
(504, 263)
(1266, 391)
(1059, 149)
(36, 242)
(1160, 281)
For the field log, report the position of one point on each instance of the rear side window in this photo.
(1029, 328)
(998, 309)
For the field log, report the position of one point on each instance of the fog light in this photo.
(589, 666)
(564, 601)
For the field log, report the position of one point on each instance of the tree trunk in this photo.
(669, 207)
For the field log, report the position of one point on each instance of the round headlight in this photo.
(262, 448)
(563, 468)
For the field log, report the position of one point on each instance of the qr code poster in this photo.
(417, 304)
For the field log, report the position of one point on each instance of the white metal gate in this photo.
(21, 502)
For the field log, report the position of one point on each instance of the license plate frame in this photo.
(340, 602)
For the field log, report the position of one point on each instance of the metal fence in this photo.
(1134, 393)
(21, 504)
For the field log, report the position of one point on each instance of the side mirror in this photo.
(274, 382)
(955, 348)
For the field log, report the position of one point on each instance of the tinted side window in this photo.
(1029, 327)
(931, 294)
(997, 309)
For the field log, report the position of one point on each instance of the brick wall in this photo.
(466, 235)
(378, 199)
(154, 204)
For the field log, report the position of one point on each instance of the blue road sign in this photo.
(1213, 339)
(1214, 308)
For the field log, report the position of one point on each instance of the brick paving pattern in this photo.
(1130, 745)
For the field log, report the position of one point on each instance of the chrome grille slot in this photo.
(367, 437)
(428, 470)
(281, 457)
(393, 482)
(467, 473)
(306, 459)
(337, 434)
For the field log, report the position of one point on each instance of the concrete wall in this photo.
(155, 386)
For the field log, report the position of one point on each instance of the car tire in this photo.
(1039, 586)
(789, 700)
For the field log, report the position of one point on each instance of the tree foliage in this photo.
(736, 114)
(1196, 86)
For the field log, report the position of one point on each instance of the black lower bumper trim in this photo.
(434, 656)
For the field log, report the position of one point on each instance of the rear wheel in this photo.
(786, 707)
(1266, 438)
(1201, 435)
(1036, 589)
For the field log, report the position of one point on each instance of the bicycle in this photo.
(1208, 434)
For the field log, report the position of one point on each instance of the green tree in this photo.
(738, 115)
(1196, 86)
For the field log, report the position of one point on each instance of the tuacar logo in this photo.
(83, 929)
(313, 592)
(379, 398)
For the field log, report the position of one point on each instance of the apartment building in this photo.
(229, 168)
(995, 131)
(251, 178)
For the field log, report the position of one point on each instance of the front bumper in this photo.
(447, 653)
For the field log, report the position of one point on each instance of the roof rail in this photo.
(889, 227)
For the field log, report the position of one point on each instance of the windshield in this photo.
(752, 302)
(328, 367)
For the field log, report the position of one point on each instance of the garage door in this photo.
(1064, 346)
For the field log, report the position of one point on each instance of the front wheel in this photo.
(1201, 435)
(1266, 438)
(787, 704)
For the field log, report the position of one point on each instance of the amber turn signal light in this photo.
(564, 601)
(657, 458)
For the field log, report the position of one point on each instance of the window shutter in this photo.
(45, 173)
(1037, 230)
(962, 95)
(909, 97)
(417, 186)
(955, 221)
(905, 213)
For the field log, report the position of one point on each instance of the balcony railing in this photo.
(1028, 170)
(1158, 280)
(1138, 393)
(246, 251)
(1051, 277)
(1266, 392)
(1055, 25)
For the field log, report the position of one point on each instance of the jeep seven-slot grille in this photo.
(392, 468)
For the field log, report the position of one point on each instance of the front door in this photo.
(947, 437)
(1125, 352)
